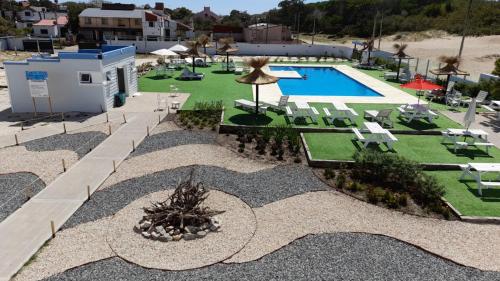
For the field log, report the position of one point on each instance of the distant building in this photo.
(207, 15)
(50, 28)
(129, 23)
(224, 31)
(29, 15)
(267, 33)
(84, 81)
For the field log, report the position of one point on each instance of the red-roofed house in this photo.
(49, 27)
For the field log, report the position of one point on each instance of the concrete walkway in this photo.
(27, 229)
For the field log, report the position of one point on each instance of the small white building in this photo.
(83, 81)
(50, 28)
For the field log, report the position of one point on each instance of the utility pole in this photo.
(380, 31)
(466, 24)
(314, 31)
(374, 25)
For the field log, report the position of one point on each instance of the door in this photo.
(120, 73)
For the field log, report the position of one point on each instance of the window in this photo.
(29, 25)
(27, 13)
(85, 78)
(137, 21)
(108, 76)
(104, 21)
(151, 24)
(88, 21)
(44, 31)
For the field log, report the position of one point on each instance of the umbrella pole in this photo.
(256, 100)
(399, 66)
(447, 82)
(227, 61)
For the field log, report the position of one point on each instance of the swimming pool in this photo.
(321, 81)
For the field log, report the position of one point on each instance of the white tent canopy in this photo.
(178, 48)
(165, 53)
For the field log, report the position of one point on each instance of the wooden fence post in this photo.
(64, 165)
(53, 228)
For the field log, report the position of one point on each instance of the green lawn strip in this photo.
(423, 149)
(218, 85)
(464, 197)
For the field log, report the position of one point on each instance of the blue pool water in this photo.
(321, 81)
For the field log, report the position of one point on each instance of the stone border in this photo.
(238, 227)
(472, 219)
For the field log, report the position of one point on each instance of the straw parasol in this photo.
(204, 41)
(257, 77)
(227, 48)
(194, 52)
(368, 46)
(400, 55)
(450, 68)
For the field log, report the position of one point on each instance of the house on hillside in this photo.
(30, 15)
(50, 28)
(267, 33)
(223, 31)
(126, 22)
(83, 81)
(207, 15)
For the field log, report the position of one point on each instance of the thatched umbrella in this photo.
(227, 49)
(204, 41)
(194, 52)
(257, 77)
(400, 55)
(450, 68)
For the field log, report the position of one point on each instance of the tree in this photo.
(496, 71)
(8, 28)
(204, 41)
(74, 9)
(368, 46)
(181, 13)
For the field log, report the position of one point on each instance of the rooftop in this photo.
(96, 12)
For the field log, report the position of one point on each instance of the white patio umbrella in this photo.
(165, 53)
(470, 115)
(178, 48)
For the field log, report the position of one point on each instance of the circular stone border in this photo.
(238, 227)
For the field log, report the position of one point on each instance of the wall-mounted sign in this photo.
(38, 88)
(37, 75)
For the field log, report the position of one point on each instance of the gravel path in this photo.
(255, 189)
(342, 256)
(14, 189)
(184, 155)
(169, 139)
(80, 143)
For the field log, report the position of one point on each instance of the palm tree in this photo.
(400, 55)
(450, 68)
(204, 41)
(369, 45)
(257, 77)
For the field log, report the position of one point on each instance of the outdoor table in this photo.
(474, 133)
(417, 111)
(374, 128)
(378, 134)
(302, 105)
(476, 170)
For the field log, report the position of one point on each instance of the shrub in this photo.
(390, 200)
(427, 190)
(403, 199)
(354, 187)
(341, 181)
(372, 196)
(329, 173)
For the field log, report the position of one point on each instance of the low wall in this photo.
(247, 49)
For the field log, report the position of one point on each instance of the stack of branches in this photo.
(181, 213)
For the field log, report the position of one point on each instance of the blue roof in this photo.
(105, 53)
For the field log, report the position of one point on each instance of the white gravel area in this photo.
(45, 164)
(238, 226)
(71, 248)
(281, 222)
(184, 155)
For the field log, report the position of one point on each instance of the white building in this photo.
(28, 16)
(83, 81)
(50, 28)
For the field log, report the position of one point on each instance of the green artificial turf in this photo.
(423, 149)
(219, 85)
(463, 195)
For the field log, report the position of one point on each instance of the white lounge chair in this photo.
(383, 117)
(340, 111)
(278, 106)
(416, 112)
(294, 113)
(453, 99)
(480, 99)
(249, 105)
(187, 74)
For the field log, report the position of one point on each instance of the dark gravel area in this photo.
(80, 143)
(256, 189)
(14, 189)
(341, 256)
(174, 138)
